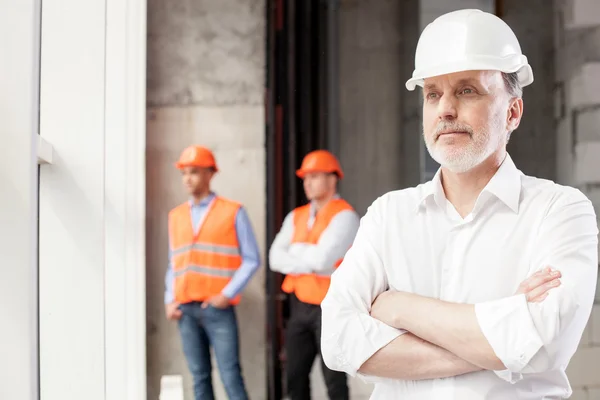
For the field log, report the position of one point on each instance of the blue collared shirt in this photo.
(248, 250)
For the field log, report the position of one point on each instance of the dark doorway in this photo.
(300, 117)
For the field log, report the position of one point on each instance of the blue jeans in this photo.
(201, 328)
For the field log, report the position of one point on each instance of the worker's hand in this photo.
(536, 287)
(385, 306)
(218, 301)
(172, 311)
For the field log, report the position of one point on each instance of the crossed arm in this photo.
(406, 336)
(320, 258)
(451, 326)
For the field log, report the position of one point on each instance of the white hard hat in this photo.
(467, 40)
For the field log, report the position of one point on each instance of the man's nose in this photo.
(447, 107)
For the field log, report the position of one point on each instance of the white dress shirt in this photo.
(413, 240)
(305, 258)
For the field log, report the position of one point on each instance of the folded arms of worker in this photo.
(321, 258)
(250, 260)
(426, 338)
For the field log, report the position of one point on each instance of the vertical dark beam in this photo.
(273, 116)
(333, 134)
(291, 109)
(305, 76)
(499, 8)
(321, 47)
(304, 89)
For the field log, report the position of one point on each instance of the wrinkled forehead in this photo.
(487, 79)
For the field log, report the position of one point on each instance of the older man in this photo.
(479, 283)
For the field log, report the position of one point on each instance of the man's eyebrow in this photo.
(465, 81)
(429, 86)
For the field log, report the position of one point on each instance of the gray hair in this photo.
(514, 89)
(513, 86)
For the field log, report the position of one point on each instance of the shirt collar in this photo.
(504, 185)
(204, 202)
(434, 189)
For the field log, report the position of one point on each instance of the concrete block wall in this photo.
(577, 118)
(370, 78)
(205, 86)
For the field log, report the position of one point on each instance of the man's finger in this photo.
(542, 289)
(539, 278)
(204, 304)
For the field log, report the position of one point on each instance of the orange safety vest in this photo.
(204, 262)
(312, 288)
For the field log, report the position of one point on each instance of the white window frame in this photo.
(123, 354)
(125, 292)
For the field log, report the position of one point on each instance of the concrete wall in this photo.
(205, 86)
(370, 99)
(531, 146)
(577, 117)
(377, 116)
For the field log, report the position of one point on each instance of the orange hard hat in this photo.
(320, 161)
(197, 156)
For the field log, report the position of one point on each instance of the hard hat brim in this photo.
(523, 69)
(180, 165)
(301, 173)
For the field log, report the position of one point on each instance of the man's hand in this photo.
(218, 301)
(172, 311)
(536, 287)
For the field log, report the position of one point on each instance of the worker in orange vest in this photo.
(213, 254)
(310, 245)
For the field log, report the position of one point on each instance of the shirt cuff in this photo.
(510, 331)
(378, 335)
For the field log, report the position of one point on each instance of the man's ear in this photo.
(514, 114)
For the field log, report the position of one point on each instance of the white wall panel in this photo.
(19, 76)
(71, 227)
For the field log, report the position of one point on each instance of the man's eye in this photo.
(431, 95)
(468, 91)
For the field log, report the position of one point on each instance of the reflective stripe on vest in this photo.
(312, 288)
(204, 262)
